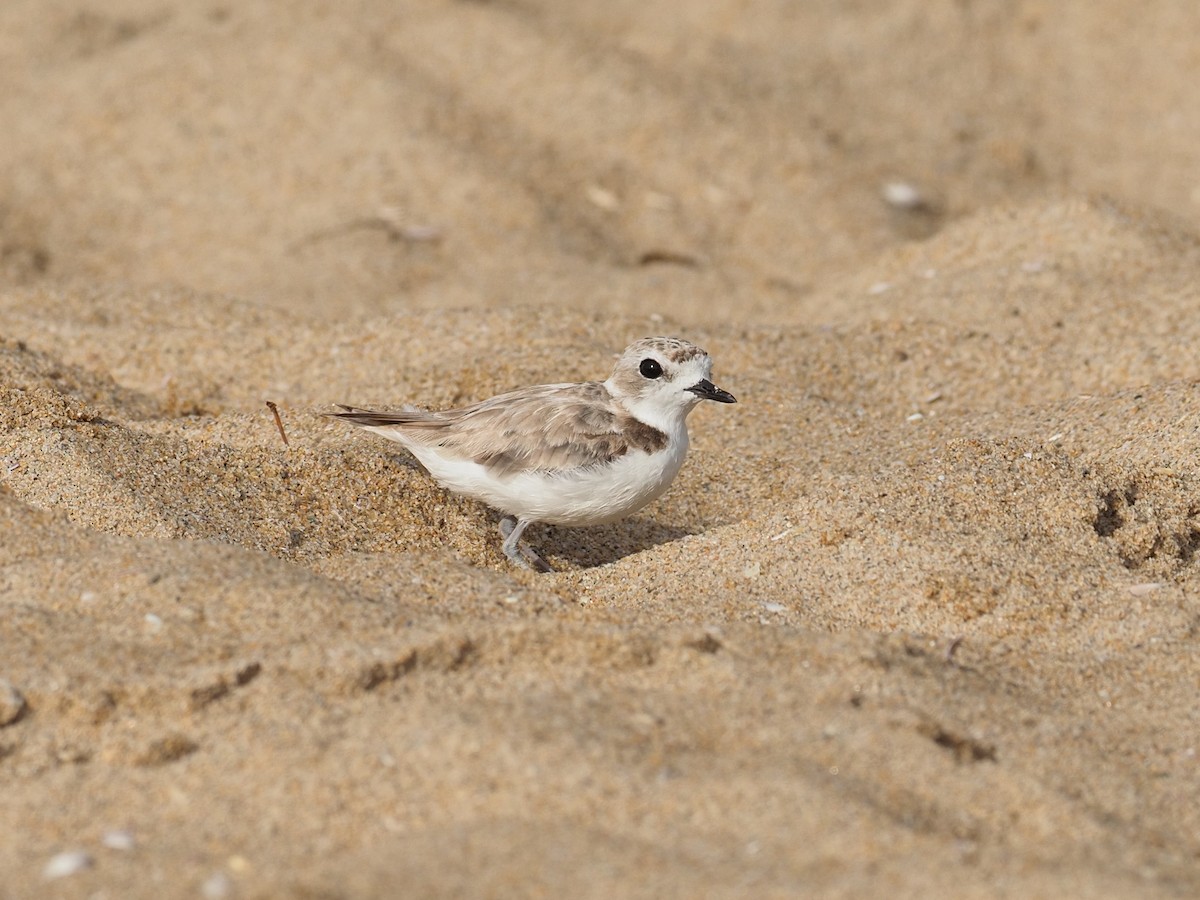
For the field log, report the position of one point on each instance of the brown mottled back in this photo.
(554, 427)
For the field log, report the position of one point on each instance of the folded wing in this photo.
(551, 428)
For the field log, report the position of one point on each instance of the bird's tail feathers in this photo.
(369, 418)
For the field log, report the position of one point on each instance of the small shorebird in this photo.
(564, 454)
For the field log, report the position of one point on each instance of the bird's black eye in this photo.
(650, 368)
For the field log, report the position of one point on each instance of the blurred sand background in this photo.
(920, 615)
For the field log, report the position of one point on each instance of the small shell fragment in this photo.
(118, 840)
(1141, 590)
(67, 863)
(902, 195)
(216, 886)
(601, 197)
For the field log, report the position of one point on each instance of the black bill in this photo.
(706, 390)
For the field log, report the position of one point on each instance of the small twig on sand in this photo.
(278, 421)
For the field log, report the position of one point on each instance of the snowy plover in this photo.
(565, 454)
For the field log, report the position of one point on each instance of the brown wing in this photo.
(554, 427)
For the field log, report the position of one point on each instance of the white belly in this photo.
(591, 496)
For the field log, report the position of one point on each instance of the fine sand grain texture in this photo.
(920, 617)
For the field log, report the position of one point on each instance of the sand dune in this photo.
(917, 617)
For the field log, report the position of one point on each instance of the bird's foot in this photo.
(516, 550)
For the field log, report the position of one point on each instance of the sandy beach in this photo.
(918, 618)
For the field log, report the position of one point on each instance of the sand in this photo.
(919, 617)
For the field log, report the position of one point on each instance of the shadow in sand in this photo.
(408, 461)
(587, 547)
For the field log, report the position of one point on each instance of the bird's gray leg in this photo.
(521, 554)
(511, 530)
